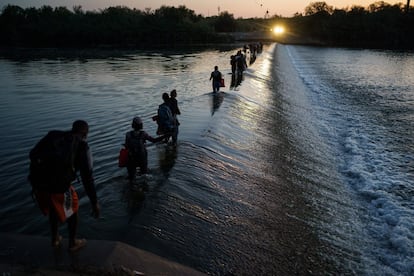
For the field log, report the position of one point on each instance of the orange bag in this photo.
(123, 158)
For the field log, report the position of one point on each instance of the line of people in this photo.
(242, 59)
(239, 63)
(57, 158)
(135, 140)
(254, 49)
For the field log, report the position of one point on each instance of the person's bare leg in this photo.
(74, 243)
(54, 225)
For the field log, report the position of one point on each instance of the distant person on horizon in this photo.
(216, 77)
(137, 150)
(54, 162)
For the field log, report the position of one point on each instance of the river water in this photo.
(306, 167)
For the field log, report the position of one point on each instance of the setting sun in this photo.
(278, 30)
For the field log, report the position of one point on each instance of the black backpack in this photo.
(52, 162)
(136, 144)
(165, 118)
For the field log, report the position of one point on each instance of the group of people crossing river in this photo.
(57, 158)
(59, 155)
(243, 59)
(135, 139)
(239, 63)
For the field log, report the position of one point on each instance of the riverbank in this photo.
(33, 255)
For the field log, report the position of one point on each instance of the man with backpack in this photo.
(165, 120)
(55, 160)
(137, 150)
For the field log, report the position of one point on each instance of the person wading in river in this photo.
(216, 77)
(54, 162)
(173, 104)
(137, 150)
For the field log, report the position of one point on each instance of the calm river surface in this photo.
(305, 168)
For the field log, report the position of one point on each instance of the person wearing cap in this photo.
(135, 142)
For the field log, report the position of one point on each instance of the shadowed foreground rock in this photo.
(33, 255)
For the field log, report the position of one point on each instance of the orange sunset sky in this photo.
(239, 8)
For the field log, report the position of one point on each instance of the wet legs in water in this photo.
(72, 223)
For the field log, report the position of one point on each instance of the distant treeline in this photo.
(380, 25)
(114, 26)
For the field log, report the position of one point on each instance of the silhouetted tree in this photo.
(225, 22)
(318, 7)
